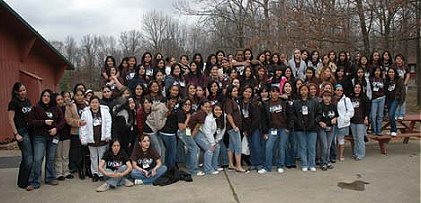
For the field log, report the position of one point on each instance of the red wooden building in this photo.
(27, 57)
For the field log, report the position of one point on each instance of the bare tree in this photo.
(131, 42)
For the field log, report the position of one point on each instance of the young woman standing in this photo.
(346, 112)
(277, 131)
(184, 134)
(378, 100)
(327, 122)
(62, 155)
(234, 127)
(305, 116)
(395, 94)
(18, 112)
(359, 121)
(96, 133)
(46, 121)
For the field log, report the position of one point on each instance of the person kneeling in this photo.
(115, 165)
(147, 166)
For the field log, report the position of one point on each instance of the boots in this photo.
(341, 152)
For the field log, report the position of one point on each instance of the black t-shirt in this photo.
(21, 109)
(145, 159)
(171, 125)
(181, 116)
(114, 162)
(328, 113)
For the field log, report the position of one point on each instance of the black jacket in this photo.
(307, 122)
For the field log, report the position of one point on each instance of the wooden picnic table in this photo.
(407, 130)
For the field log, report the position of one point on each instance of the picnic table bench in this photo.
(406, 127)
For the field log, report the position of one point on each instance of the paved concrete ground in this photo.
(392, 178)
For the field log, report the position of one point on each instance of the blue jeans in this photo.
(377, 109)
(116, 181)
(223, 154)
(257, 147)
(392, 105)
(170, 143)
(27, 158)
(358, 133)
(401, 109)
(208, 157)
(292, 146)
(192, 157)
(307, 148)
(235, 142)
(157, 144)
(282, 137)
(325, 142)
(137, 175)
(43, 146)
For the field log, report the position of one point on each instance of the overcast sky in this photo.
(56, 19)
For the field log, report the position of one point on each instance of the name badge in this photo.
(97, 122)
(375, 89)
(188, 131)
(149, 72)
(55, 141)
(131, 76)
(304, 110)
(274, 132)
(356, 104)
(49, 114)
(391, 88)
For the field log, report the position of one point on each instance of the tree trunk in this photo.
(364, 31)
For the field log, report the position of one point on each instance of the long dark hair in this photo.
(15, 89)
(230, 88)
(52, 99)
(106, 59)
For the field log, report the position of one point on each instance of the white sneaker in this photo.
(127, 182)
(312, 169)
(215, 172)
(400, 118)
(262, 171)
(304, 169)
(104, 187)
(280, 170)
(393, 134)
(200, 173)
(138, 182)
(220, 169)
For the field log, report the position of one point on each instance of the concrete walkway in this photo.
(392, 178)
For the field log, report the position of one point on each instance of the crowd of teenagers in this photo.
(233, 110)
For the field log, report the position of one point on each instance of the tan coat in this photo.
(72, 118)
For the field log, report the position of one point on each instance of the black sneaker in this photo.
(333, 160)
(101, 178)
(330, 166)
(95, 178)
(60, 178)
(81, 174)
(324, 168)
(70, 176)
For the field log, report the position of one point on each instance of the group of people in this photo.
(232, 110)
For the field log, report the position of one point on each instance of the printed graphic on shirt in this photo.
(276, 109)
(145, 163)
(26, 110)
(329, 114)
(377, 86)
(114, 165)
(391, 87)
(356, 104)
